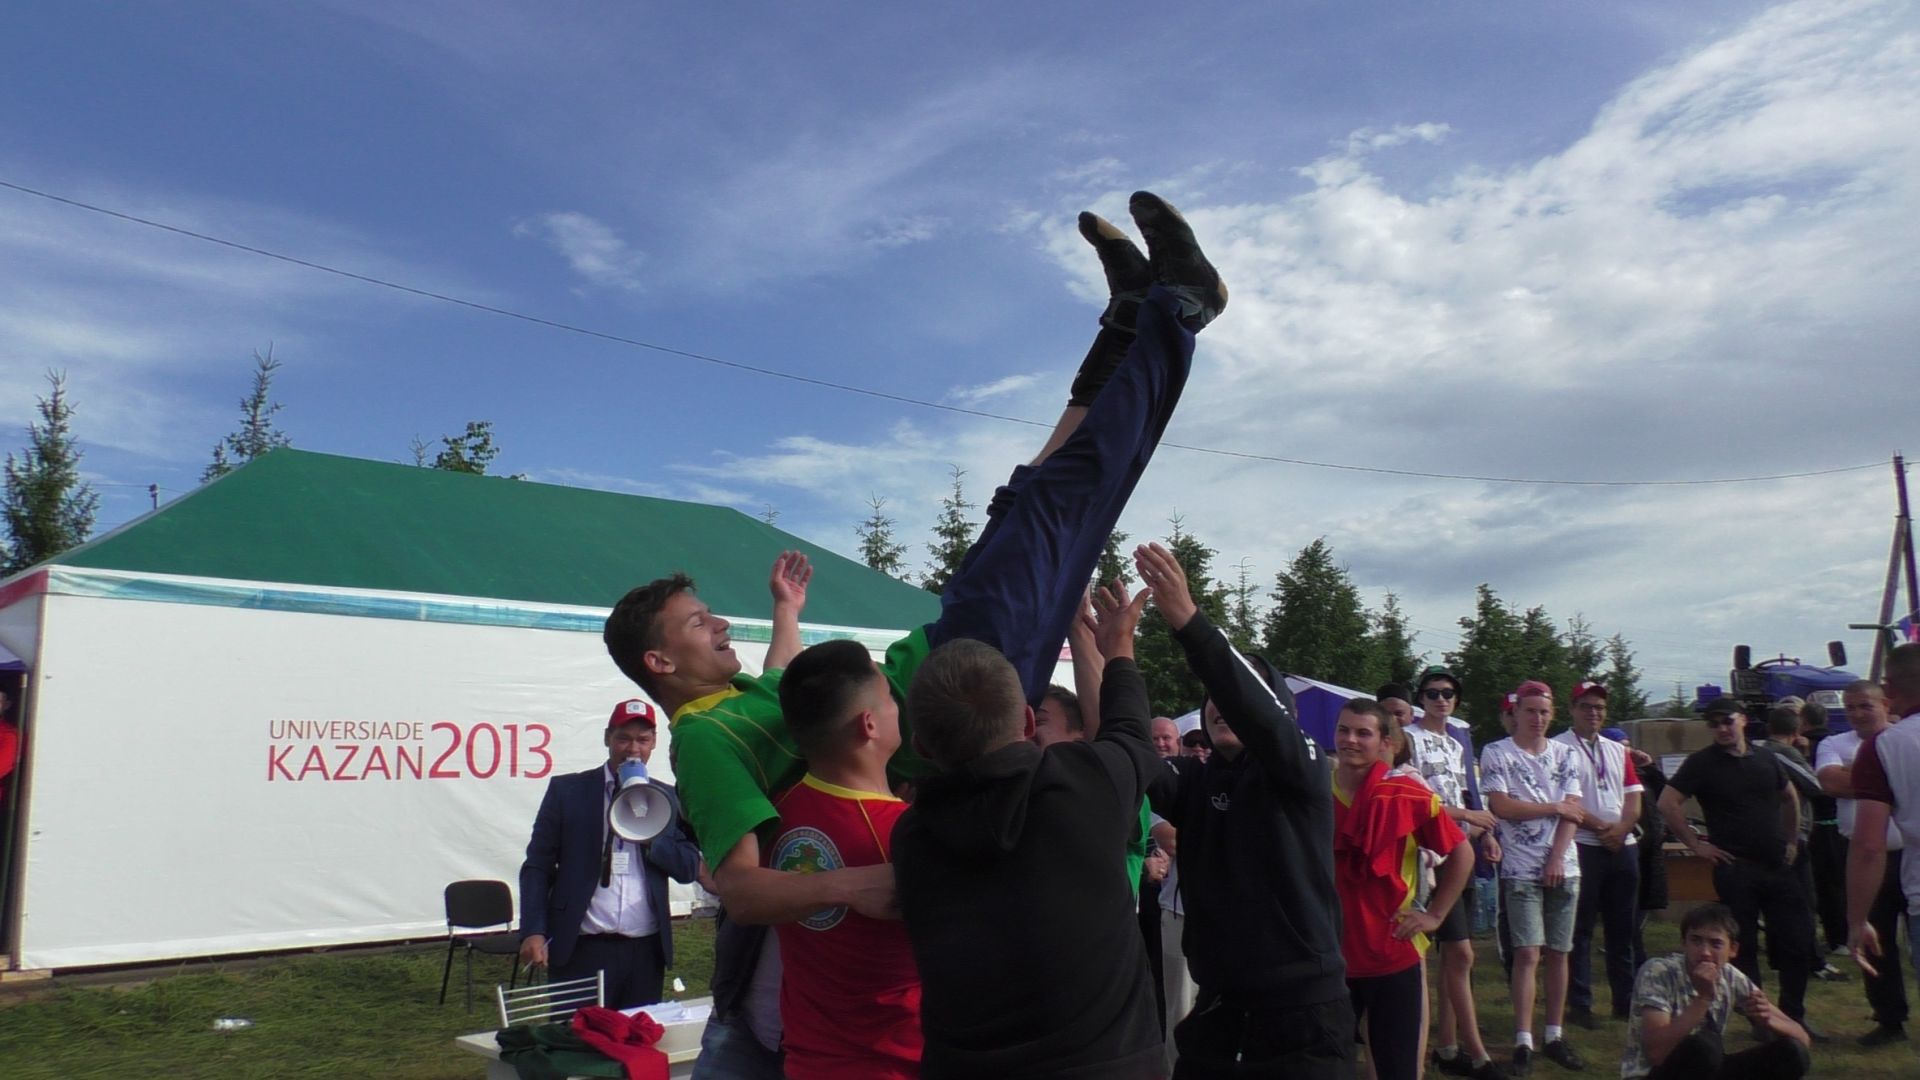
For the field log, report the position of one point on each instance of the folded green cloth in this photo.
(552, 1052)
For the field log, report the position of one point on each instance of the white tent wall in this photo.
(189, 798)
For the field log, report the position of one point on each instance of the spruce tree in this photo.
(952, 536)
(878, 549)
(1392, 646)
(48, 508)
(1490, 661)
(256, 434)
(1317, 626)
(1171, 687)
(1625, 699)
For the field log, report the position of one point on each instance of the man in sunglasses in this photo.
(1442, 750)
(1753, 827)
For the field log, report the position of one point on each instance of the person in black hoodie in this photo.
(1012, 874)
(1262, 931)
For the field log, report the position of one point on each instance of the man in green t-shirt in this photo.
(1018, 587)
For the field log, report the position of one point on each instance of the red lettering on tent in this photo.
(473, 740)
(377, 760)
(316, 762)
(346, 763)
(453, 747)
(407, 761)
(546, 759)
(277, 761)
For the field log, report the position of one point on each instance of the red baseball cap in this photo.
(1588, 686)
(633, 711)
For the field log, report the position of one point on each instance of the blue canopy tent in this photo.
(1319, 704)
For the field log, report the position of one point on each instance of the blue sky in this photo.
(1623, 241)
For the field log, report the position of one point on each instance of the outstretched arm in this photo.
(1087, 665)
(755, 894)
(1109, 625)
(788, 583)
(1265, 725)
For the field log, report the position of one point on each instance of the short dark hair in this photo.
(1394, 691)
(1783, 720)
(1710, 917)
(1368, 707)
(633, 626)
(1069, 703)
(965, 700)
(818, 692)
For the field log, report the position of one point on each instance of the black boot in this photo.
(1129, 275)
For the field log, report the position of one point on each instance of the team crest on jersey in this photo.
(807, 850)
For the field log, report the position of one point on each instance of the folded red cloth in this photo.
(626, 1039)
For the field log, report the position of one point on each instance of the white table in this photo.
(680, 1042)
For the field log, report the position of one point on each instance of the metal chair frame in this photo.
(548, 1002)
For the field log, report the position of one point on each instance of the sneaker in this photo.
(1522, 1061)
(1884, 1035)
(1129, 275)
(1177, 261)
(1582, 1016)
(1829, 973)
(1457, 1065)
(1486, 1070)
(1562, 1053)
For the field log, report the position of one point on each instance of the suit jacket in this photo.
(563, 863)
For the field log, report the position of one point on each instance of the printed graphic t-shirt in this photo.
(1546, 777)
(850, 992)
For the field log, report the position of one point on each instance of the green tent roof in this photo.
(316, 519)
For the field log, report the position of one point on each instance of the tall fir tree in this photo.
(1583, 649)
(1243, 610)
(1393, 658)
(878, 548)
(47, 507)
(952, 536)
(1625, 699)
(1546, 657)
(1171, 687)
(1317, 626)
(1490, 661)
(1679, 706)
(1116, 562)
(257, 433)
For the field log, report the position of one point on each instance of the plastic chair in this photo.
(549, 1002)
(474, 906)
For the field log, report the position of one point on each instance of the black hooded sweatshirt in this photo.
(1012, 877)
(1256, 841)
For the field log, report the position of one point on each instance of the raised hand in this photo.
(788, 581)
(1168, 582)
(1114, 619)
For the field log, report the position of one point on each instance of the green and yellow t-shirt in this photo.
(732, 752)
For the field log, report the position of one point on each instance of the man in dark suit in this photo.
(591, 901)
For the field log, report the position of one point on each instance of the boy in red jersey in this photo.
(1379, 823)
(849, 991)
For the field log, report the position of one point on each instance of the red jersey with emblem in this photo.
(849, 990)
(1378, 832)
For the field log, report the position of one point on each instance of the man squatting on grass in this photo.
(1017, 589)
(1680, 1007)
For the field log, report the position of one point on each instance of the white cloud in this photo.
(973, 395)
(591, 248)
(1715, 279)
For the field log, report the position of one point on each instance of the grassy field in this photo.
(374, 1015)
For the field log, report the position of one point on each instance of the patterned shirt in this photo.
(1548, 776)
(1444, 761)
(1665, 985)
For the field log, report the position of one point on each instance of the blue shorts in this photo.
(1019, 586)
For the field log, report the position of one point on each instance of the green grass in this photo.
(367, 1015)
(374, 1015)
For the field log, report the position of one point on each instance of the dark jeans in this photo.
(634, 967)
(1752, 889)
(1382, 1006)
(1887, 991)
(1827, 851)
(1609, 895)
(1701, 1056)
(1222, 1038)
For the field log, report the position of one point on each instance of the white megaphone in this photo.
(642, 808)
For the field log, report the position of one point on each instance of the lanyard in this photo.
(1596, 757)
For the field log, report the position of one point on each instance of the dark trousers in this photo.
(635, 967)
(1383, 1006)
(1752, 889)
(1609, 895)
(1827, 850)
(1701, 1056)
(1887, 991)
(1020, 584)
(1222, 1038)
(1150, 934)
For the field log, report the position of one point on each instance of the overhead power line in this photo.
(864, 391)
